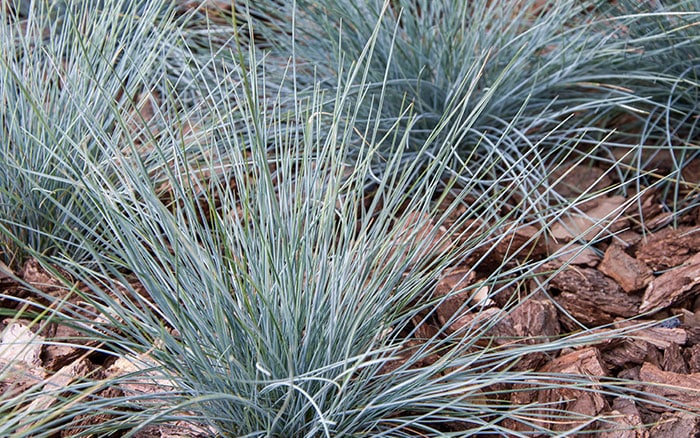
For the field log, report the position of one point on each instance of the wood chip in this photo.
(532, 322)
(473, 322)
(661, 337)
(586, 225)
(419, 233)
(681, 388)
(691, 323)
(673, 360)
(56, 384)
(631, 274)
(692, 358)
(676, 424)
(593, 298)
(139, 376)
(515, 239)
(626, 419)
(627, 238)
(64, 347)
(571, 180)
(626, 352)
(19, 344)
(669, 248)
(672, 286)
(33, 273)
(581, 255)
(587, 364)
(452, 287)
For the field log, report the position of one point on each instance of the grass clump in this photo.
(266, 226)
(555, 74)
(69, 80)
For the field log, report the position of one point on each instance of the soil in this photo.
(647, 269)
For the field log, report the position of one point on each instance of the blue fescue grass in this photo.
(269, 266)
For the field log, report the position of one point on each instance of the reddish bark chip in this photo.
(454, 289)
(65, 347)
(591, 297)
(673, 360)
(581, 255)
(692, 357)
(631, 274)
(532, 322)
(669, 248)
(623, 421)
(522, 240)
(571, 179)
(659, 336)
(580, 405)
(672, 286)
(681, 388)
(626, 351)
(33, 273)
(678, 424)
(601, 216)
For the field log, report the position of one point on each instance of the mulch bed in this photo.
(648, 268)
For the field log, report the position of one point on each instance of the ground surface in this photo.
(651, 267)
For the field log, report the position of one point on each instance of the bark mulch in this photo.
(647, 268)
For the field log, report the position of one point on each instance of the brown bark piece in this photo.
(681, 388)
(405, 357)
(652, 211)
(673, 360)
(626, 351)
(661, 337)
(602, 215)
(63, 349)
(522, 240)
(571, 180)
(534, 321)
(19, 378)
(676, 425)
(627, 238)
(33, 273)
(585, 363)
(627, 421)
(455, 290)
(669, 248)
(52, 387)
(691, 323)
(94, 417)
(672, 286)
(179, 429)
(473, 322)
(593, 298)
(692, 357)
(581, 255)
(144, 379)
(419, 233)
(630, 273)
